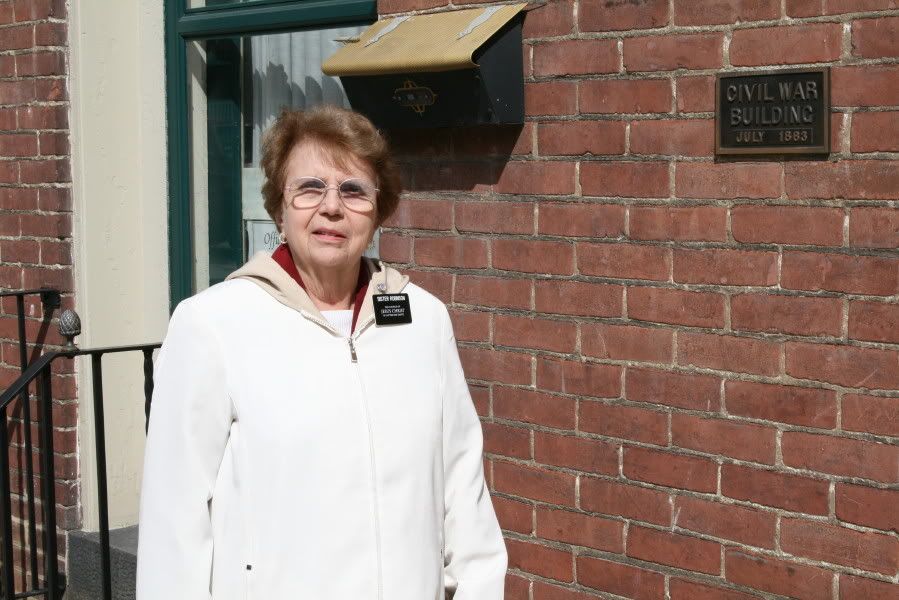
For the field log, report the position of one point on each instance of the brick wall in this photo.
(35, 227)
(688, 370)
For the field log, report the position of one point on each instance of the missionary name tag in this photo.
(392, 309)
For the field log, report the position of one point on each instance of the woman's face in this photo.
(328, 235)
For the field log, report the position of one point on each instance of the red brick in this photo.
(58, 226)
(17, 38)
(17, 92)
(874, 227)
(20, 251)
(865, 85)
(527, 406)
(7, 65)
(785, 404)
(874, 321)
(675, 550)
(18, 144)
(868, 506)
(618, 16)
(804, 8)
(859, 587)
(695, 94)
(624, 261)
(580, 529)
(507, 441)
(9, 171)
(725, 267)
(588, 455)
(786, 314)
(493, 291)
(550, 98)
(537, 177)
(845, 365)
(776, 576)
(862, 550)
(54, 144)
(535, 483)
(787, 225)
(671, 470)
(533, 256)
(513, 515)
(819, 42)
(471, 326)
(45, 171)
(676, 137)
(574, 377)
(581, 137)
(495, 217)
(37, 277)
(619, 579)
(840, 456)
(50, 34)
(451, 252)
(834, 7)
(872, 414)
(679, 307)
(43, 117)
(727, 353)
(544, 591)
(6, 13)
(687, 223)
(17, 199)
(55, 199)
(626, 500)
(624, 422)
(7, 119)
(681, 589)
(696, 392)
(540, 560)
(40, 63)
(35, 10)
(10, 225)
(876, 38)
(625, 179)
(625, 342)
(672, 51)
(395, 248)
(581, 219)
(493, 365)
(579, 298)
(780, 490)
(724, 12)
(422, 214)
(438, 283)
(727, 521)
(553, 18)
(575, 57)
(728, 180)
(874, 131)
(720, 436)
(863, 179)
(540, 334)
(625, 96)
(840, 273)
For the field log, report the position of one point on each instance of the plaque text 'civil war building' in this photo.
(780, 112)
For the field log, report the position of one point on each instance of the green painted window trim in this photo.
(183, 26)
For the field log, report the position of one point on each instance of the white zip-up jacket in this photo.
(287, 462)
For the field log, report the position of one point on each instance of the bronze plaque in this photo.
(773, 112)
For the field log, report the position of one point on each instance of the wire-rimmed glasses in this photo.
(357, 195)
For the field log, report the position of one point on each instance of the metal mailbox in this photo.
(447, 69)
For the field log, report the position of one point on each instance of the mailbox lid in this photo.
(428, 43)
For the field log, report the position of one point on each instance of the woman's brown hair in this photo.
(342, 133)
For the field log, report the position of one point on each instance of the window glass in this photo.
(238, 86)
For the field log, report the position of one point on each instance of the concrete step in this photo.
(84, 577)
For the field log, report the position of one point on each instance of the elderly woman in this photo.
(312, 436)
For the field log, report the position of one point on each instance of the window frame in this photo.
(183, 26)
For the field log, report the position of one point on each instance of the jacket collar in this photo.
(265, 272)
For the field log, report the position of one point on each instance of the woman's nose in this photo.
(331, 203)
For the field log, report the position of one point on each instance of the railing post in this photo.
(148, 385)
(102, 497)
(8, 575)
(48, 472)
(29, 459)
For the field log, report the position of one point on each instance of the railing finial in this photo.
(69, 327)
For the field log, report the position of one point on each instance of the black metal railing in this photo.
(39, 372)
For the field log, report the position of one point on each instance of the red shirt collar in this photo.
(283, 257)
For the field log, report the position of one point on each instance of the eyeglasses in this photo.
(357, 195)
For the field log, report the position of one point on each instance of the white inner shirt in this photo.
(341, 320)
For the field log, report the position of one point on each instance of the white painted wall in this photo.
(117, 87)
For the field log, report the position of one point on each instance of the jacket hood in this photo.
(262, 270)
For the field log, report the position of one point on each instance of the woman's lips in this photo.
(328, 235)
